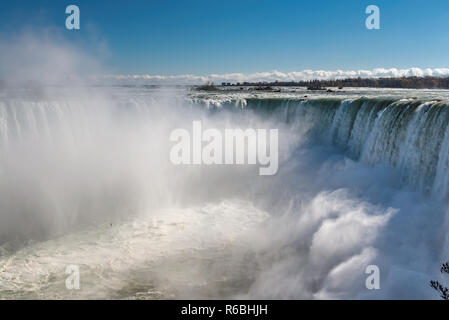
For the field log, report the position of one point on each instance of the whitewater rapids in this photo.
(85, 179)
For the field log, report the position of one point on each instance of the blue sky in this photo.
(208, 36)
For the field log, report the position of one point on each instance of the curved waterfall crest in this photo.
(408, 134)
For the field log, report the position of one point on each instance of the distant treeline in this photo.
(404, 82)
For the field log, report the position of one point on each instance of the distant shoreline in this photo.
(428, 82)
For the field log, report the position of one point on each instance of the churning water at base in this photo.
(157, 257)
(85, 179)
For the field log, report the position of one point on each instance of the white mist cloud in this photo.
(44, 58)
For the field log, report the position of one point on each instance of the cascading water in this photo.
(86, 179)
(407, 134)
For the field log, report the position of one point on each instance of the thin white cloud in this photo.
(274, 75)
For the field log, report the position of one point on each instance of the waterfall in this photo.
(408, 134)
